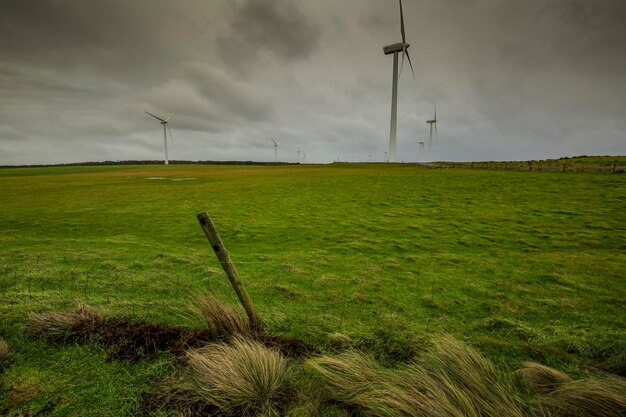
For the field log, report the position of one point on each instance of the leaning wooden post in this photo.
(229, 268)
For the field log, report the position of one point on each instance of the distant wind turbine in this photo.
(421, 144)
(395, 49)
(299, 150)
(432, 122)
(166, 129)
(275, 150)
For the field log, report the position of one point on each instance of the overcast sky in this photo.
(511, 79)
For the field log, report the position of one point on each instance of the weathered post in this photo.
(614, 166)
(229, 268)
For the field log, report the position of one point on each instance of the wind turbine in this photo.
(421, 144)
(395, 49)
(275, 151)
(432, 122)
(299, 150)
(166, 128)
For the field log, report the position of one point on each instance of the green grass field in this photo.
(521, 265)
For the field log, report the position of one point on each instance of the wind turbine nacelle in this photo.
(396, 47)
(431, 121)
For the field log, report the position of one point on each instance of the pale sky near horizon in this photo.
(512, 79)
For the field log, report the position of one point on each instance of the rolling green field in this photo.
(521, 265)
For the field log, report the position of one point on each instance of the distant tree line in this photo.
(148, 162)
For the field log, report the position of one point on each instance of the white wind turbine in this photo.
(395, 49)
(275, 150)
(166, 129)
(421, 144)
(432, 122)
(299, 150)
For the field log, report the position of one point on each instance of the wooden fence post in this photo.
(229, 268)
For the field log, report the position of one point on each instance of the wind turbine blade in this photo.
(156, 117)
(275, 144)
(435, 112)
(410, 63)
(171, 137)
(402, 23)
(404, 48)
(169, 117)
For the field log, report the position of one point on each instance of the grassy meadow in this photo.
(519, 265)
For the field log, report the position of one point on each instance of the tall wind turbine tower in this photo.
(166, 129)
(432, 122)
(275, 151)
(421, 144)
(395, 49)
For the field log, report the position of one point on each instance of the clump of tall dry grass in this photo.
(559, 395)
(356, 380)
(240, 378)
(591, 397)
(222, 320)
(460, 379)
(450, 380)
(541, 378)
(5, 355)
(61, 326)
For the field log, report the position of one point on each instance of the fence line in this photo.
(529, 166)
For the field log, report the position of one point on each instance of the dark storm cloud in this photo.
(274, 26)
(137, 40)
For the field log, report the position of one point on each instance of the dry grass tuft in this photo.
(451, 380)
(357, 381)
(63, 326)
(347, 376)
(592, 397)
(223, 321)
(462, 380)
(5, 355)
(541, 378)
(241, 378)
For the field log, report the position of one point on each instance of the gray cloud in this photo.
(511, 79)
(268, 26)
